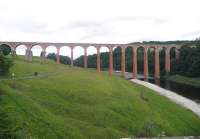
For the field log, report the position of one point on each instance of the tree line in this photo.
(188, 63)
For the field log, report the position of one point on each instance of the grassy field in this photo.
(185, 80)
(80, 104)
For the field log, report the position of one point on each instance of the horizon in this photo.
(101, 43)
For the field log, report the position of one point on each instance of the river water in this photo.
(187, 91)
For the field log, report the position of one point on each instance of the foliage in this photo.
(6, 63)
(187, 65)
(117, 60)
(195, 82)
(5, 49)
(77, 103)
(189, 62)
(63, 59)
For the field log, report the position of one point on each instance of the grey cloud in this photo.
(83, 24)
(25, 25)
(155, 20)
(33, 27)
(101, 27)
(92, 29)
(191, 34)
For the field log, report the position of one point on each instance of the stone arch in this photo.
(172, 51)
(65, 51)
(51, 49)
(51, 52)
(129, 58)
(91, 56)
(162, 60)
(65, 54)
(7, 44)
(104, 56)
(117, 50)
(140, 59)
(78, 55)
(151, 60)
(91, 50)
(36, 50)
(104, 48)
(21, 49)
(173, 58)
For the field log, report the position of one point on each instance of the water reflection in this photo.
(182, 89)
(187, 91)
(157, 81)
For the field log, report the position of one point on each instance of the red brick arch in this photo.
(135, 46)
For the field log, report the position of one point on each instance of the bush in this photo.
(5, 49)
(5, 64)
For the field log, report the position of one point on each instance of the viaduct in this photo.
(157, 48)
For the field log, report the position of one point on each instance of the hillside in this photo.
(64, 102)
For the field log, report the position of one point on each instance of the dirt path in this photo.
(25, 77)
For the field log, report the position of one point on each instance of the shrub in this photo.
(5, 63)
(5, 49)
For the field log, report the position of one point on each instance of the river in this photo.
(187, 91)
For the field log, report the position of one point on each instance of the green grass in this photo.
(77, 103)
(184, 80)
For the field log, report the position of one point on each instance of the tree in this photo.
(187, 65)
(63, 59)
(5, 63)
(5, 49)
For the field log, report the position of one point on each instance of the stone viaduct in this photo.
(157, 48)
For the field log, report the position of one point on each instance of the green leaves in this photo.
(5, 49)
(5, 64)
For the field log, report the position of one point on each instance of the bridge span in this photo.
(135, 46)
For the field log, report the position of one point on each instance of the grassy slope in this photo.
(79, 103)
(185, 80)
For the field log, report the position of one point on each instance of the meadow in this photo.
(65, 102)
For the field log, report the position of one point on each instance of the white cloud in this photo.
(100, 21)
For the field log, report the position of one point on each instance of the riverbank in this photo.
(185, 102)
(184, 80)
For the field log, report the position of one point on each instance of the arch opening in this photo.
(129, 59)
(140, 61)
(36, 50)
(162, 60)
(78, 55)
(117, 58)
(51, 52)
(104, 58)
(173, 61)
(91, 57)
(21, 49)
(65, 51)
(65, 55)
(151, 61)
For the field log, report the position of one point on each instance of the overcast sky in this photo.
(99, 21)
